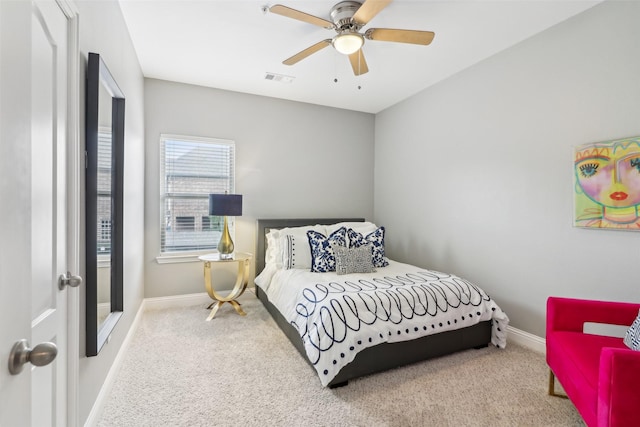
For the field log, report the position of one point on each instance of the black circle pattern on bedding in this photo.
(330, 310)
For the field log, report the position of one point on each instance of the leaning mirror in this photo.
(103, 210)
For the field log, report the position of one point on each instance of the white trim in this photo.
(229, 142)
(174, 259)
(525, 339)
(160, 303)
(75, 168)
(69, 9)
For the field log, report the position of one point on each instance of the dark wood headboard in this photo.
(264, 225)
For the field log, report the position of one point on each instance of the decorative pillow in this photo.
(293, 245)
(361, 227)
(323, 258)
(376, 239)
(354, 260)
(632, 337)
(296, 252)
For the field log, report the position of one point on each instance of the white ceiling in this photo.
(232, 44)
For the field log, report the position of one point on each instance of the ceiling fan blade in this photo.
(307, 52)
(368, 10)
(400, 36)
(300, 16)
(358, 63)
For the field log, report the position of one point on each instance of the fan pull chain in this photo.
(359, 68)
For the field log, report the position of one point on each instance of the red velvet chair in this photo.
(600, 375)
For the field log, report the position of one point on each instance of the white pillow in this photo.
(275, 243)
(363, 228)
(264, 278)
(295, 251)
(273, 252)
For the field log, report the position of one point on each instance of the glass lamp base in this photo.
(226, 256)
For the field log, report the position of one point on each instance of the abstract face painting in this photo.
(607, 184)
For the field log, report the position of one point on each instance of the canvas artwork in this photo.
(607, 184)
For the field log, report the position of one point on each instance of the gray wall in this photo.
(474, 176)
(102, 30)
(292, 160)
(471, 176)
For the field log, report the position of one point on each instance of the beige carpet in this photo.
(242, 371)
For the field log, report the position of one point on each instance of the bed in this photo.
(399, 299)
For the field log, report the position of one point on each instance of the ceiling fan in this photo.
(347, 19)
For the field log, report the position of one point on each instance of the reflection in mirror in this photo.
(104, 204)
(104, 189)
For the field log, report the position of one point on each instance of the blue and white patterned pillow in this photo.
(377, 241)
(353, 260)
(632, 337)
(323, 259)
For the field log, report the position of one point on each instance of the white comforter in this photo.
(338, 316)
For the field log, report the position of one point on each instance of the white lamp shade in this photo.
(348, 43)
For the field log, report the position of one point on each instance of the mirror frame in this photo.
(97, 74)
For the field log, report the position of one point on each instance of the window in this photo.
(104, 192)
(104, 237)
(191, 168)
(105, 229)
(206, 223)
(185, 223)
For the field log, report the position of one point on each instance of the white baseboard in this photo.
(516, 336)
(160, 303)
(525, 339)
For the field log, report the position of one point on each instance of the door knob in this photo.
(40, 355)
(69, 280)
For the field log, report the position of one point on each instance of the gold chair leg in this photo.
(552, 382)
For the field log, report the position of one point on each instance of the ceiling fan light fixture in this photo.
(348, 42)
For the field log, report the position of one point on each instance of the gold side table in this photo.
(242, 278)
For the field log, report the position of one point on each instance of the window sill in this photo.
(179, 258)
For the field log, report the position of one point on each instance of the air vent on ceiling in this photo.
(279, 78)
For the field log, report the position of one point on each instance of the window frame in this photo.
(177, 256)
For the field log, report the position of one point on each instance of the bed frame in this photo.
(381, 357)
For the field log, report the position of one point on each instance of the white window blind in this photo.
(104, 192)
(190, 169)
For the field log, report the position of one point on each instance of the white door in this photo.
(33, 208)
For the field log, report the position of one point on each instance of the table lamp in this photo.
(225, 205)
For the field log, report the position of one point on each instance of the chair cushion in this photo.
(574, 358)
